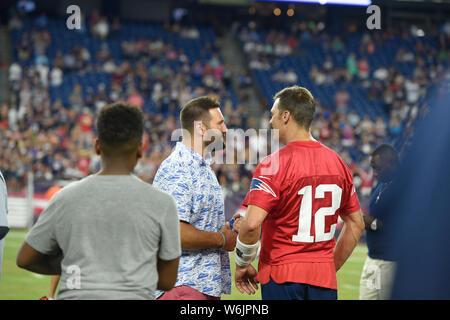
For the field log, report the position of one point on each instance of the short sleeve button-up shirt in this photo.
(191, 181)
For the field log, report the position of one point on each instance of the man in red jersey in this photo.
(296, 196)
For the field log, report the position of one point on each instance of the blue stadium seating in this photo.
(64, 40)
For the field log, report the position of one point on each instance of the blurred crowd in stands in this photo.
(403, 94)
(55, 140)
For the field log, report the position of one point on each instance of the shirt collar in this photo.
(186, 151)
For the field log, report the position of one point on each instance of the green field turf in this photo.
(18, 284)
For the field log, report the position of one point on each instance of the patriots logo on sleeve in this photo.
(258, 184)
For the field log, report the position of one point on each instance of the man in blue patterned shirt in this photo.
(204, 272)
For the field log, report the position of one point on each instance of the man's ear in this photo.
(286, 116)
(199, 128)
(97, 147)
(139, 151)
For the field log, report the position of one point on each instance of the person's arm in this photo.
(167, 273)
(176, 181)
(54, 281)
(193, 238)
(3, 232)
(169, 248)
(348, 238)
(40, 252)
(246, 249)
(263, 196)
(250, 226)
(371, 223)
(32, 260)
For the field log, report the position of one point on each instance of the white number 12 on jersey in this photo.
(304, 221)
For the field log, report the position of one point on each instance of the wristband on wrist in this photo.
(245, 253)
(224, 239)
(374, 225)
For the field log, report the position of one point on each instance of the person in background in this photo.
(379, 267)
(295, 199)
(4, 227)
(206, 238)
(420, 197)
(119, 235)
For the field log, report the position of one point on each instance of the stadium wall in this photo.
(22, 213)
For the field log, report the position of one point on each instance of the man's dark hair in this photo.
(299, 102)
(120, 127)
(197, 110)
(387, 153)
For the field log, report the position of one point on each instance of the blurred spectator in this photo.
(15, 73)
(341, 100)
(289, 77)
(348, 134)
(380, 128)
(101, 98)
(56, 77)
(101, 28)
(69, 61)
(42, 20)
(76, 98)
(43, 71)
(244, 80)
(404, 55)
(15, 23)
(317, 75)
(190, 32)
(395, 126)
(135, 98)
(381, 74)
(115, 28)
(367, 125)
(109, 66)
(328, 64)
(279, 76)
(363, 69)
(41, 58)
(366, 175)
(412, 91)
(337, 44)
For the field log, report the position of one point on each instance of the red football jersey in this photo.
(304, 187)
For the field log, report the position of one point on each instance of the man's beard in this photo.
(221, 136)
(215, 144)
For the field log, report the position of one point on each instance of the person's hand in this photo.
(237, 222)
(236, 216)
(368, 219)
(245, 279)
(230, 237)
